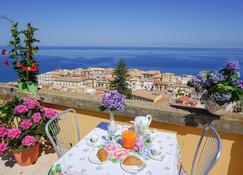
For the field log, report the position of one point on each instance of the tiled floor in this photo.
(41, 167)
(229, 164)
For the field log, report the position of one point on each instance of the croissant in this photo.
(102, 155)
(132, 160)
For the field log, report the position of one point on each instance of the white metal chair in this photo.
(207, 153)
(63, 131)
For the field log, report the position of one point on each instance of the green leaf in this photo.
(235, 76)
(114, 160)
(53, 172)
(58, 168)
(228, 88)
(240, 93)
(102, 108)
(20, 148)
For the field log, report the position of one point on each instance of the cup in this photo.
(94, 138)
(156, 151)
(129, 138)
(149, 137)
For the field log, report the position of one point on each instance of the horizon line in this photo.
(131, 46)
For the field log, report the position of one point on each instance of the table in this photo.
(76, 162)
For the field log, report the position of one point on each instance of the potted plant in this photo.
(219, 89)
(22, 54)
(112, 101)
(23, 128)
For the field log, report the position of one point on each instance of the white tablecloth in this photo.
(75, 161)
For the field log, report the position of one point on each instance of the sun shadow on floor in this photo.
(8, 159)
(47, 148)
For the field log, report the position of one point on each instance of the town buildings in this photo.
(151, 85)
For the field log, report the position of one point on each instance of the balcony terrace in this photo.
(186, 124)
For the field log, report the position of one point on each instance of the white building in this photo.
(46, 78)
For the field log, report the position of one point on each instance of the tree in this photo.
(120, 82)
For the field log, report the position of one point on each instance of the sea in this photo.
(175, 60)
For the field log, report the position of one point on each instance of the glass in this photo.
(112, 130)
(129, 138)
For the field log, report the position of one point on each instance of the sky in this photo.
(166, 23)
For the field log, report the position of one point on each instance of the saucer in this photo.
(159, 157)
(133, 169)
(94, 159)
(94, 144)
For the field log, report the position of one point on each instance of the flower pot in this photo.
(32, 87)
(28, 156)
(22, 87)
(216, 109)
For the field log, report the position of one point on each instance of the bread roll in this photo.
(102, 155)
(132, 160)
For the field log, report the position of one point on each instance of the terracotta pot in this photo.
(28, 156)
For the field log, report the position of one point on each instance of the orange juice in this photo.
(129, 138)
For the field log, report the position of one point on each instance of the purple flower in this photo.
(200, 81)
(113, 101)
(28, 141)
(49, 113)
(202, 76)
(36, 117)
(3, 148)
(233, 66)
(14, 133)
(222, 96)
(26, 124)
(216, 77)
(195, 81)
(20, 109)
(238, 83)
(3, 131)
(31, 103)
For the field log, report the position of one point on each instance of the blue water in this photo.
(175, 60)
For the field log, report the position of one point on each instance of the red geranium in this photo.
(33, 68)
(4, 52)
(6, 63)
(24, 67)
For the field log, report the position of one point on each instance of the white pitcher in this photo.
(141, 123)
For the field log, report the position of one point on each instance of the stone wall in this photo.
(231, 122)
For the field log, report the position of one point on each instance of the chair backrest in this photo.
(207, 153)
(63, 131)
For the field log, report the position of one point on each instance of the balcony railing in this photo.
(230, 123)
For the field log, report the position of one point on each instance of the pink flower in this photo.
(19, 65)
(3, 131)
(14, 133)
(110, 147)
(120, 154)
(31, 103)
(136, 148)
(28, 141)
(20, 109)
(36, 117)
(3, 147)
(26, 124)
(49, 113)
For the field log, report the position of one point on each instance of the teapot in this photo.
(141, 123)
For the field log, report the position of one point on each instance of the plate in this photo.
(133, 169)
(160, 157)
(94, 144)
(94, 159)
